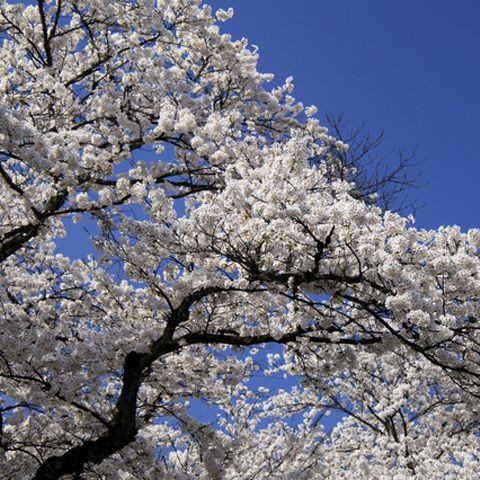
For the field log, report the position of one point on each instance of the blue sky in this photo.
(410, 68)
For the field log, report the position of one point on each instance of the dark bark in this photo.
(122, 430)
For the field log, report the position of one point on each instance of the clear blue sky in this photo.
(410, 68)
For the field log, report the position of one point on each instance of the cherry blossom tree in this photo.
(245, 251)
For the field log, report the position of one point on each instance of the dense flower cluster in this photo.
(227, 249)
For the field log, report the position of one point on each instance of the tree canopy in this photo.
(236, 240)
